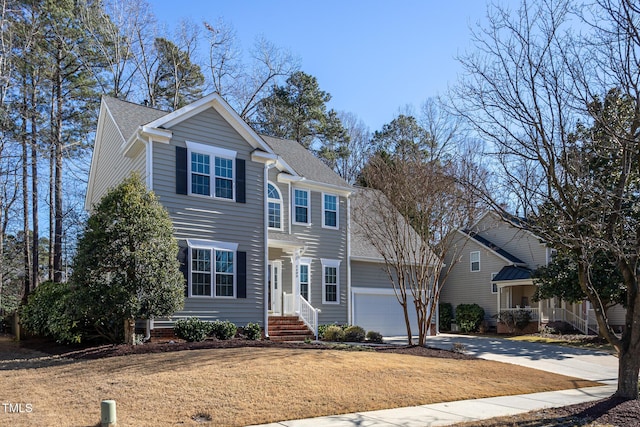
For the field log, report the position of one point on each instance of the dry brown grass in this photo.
(241, 386)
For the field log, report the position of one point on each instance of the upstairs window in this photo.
(274, 207)
(211, 164)
(301, 206)
(475, 260)
(329, 211)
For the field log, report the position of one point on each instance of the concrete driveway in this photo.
(575, 362)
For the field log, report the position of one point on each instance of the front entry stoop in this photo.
(288, 328)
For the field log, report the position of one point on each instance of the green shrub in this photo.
(515, 319)
(445, 310)
(192, 329)
(223, 330)
(354, 334)
(374, 336)
(469, 317)
(253, 331)
(333, 333)
(323, 328)
(46, 313)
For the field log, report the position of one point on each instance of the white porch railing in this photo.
(289, 304)
(534, 312)
(309, 315)
(555, 314)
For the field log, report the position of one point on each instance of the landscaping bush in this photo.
(323, 328)
(46, 313)
(253, 331)
(515, 319)
(223, 330)
(333, 333)
(469, 317)
(374, 336)
(445, 310)
(192, 329)
(354, 334)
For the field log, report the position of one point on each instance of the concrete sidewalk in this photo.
(586, 364)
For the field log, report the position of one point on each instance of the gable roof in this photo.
(486, 243)
(303, 162)
(128, 116)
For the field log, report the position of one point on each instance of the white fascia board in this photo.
(507, 283)
(158, 135)
(215, 101)
(314, 185)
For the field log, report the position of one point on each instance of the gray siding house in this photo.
(263, 225)
(494, 270)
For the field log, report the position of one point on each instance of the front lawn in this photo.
(240, 386)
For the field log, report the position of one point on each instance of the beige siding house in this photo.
(263, 225)
(494, 270)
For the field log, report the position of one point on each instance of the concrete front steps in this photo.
(288, 328)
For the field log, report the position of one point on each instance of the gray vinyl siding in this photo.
(466, 287)
(329, 244)
(520, 243)
(284, 192)
(199, 217)
(112, 167)
(369, 275)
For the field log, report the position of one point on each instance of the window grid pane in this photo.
(331, 281)
(224, 273)
(200, 171)
(304, 281)
(272, 193)
(201, 272)
(274, 214)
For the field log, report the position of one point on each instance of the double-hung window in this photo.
(475, 260)
(330, 281)
(213, 269)
(301, 204)
(211, 171)
(494, 285)
(330, 211)
(274, 201)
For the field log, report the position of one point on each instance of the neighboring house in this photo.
(494, 270)
(263, 225)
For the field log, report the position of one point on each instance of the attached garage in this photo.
(378, 310)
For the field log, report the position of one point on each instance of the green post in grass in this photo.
(108, 413)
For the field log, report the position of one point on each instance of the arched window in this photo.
(275, 207)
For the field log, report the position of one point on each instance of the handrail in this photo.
(309, 315)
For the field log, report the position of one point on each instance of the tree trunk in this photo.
(129, 331)
(57, 141)
(628, 368)
(26, 250)
(407, 322)
(35, 236)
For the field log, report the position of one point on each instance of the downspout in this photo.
(349, 296)
(149, 164)
(149, 327)
(267, 166)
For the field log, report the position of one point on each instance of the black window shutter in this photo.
(241, 182)
(183, 258)
(181, 170)
(241, 279)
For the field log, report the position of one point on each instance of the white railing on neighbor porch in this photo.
(534, 312)
(309, 315)
(289, 304)
(555, 314)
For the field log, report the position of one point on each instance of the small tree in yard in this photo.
(126, 266)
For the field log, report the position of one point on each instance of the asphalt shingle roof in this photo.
(129, 116)
(514, 259)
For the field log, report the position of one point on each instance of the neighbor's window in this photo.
(330, 211)
(475, 261)
(301, 206)
(274, 206)
(494, 286)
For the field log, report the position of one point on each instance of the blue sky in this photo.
(374, 57)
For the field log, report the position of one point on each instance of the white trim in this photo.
(293, 203)
(212, 244)
(324, 210)
(213, 153)
(212, 247)
(149, 164)
(373, 291)
(471, 253)
(314, 185)
(272, 200)
(349, 297)
(330, 263)
(265, 299)
(469, 238)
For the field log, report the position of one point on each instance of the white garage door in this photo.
(377, 310)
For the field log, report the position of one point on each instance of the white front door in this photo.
(275, 287)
